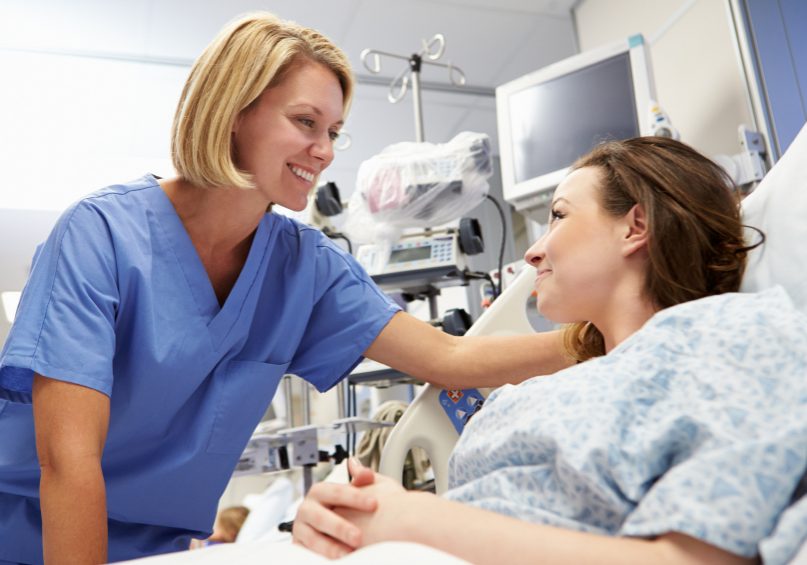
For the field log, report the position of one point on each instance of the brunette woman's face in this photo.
(285, 138)
(579, 257)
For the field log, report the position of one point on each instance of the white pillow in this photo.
(778, 207)
(266, 510)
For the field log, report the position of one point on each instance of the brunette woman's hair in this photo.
(695, 245)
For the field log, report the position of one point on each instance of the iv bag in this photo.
(420, 184)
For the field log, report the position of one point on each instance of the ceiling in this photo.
(492, 41)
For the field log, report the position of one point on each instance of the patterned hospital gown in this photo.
(697, 423)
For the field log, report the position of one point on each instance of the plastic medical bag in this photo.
(421, 184)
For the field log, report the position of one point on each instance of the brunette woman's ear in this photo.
(636, 230)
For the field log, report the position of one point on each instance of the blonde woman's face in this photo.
(285, 139)
(578, 259)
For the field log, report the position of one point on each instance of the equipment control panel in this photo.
(422, 259)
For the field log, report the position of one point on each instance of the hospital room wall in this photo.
(774, 49)
(70, 125)
(698, 76)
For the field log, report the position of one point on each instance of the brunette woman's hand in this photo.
(320, 528)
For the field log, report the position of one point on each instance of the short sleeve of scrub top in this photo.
(69, 336)
(348, 314)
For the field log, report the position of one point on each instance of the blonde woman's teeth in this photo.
(301, 173)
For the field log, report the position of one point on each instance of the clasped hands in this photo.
(334, 519)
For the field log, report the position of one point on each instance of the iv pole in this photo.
(431, 51)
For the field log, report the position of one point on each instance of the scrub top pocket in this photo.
(244, 393)
(19, 442)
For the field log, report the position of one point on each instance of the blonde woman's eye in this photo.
(334, 135)
(307, 122)
(555, 215)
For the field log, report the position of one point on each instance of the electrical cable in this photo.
(498, 291)
(338, 235)
(492, 285)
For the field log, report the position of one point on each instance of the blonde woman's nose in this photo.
(322, 149)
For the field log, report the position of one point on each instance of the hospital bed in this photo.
(778, 207)
(425, 423)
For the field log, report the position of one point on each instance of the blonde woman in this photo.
(161, 314)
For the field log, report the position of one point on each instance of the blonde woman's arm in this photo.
(71, 423)
(418, 349)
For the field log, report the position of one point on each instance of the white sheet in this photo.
(263, 552)
(778, 207)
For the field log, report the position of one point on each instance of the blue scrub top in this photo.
(119, 301)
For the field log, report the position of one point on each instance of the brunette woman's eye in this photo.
(554, 214)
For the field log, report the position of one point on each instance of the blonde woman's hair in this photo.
(248, 56)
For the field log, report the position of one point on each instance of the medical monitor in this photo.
(550, 117)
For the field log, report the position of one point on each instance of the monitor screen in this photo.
(555, 122)
(410, 254)
(547, 119)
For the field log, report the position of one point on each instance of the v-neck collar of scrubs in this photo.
(218, 318)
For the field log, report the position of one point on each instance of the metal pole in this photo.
(342, 390)
(433, 313)
(308, 478)
(414, 64)
(306, 394)
(420, 137)
(287, 392)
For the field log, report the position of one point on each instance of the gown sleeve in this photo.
(734, 434)
(349, 312)
(65, 323)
